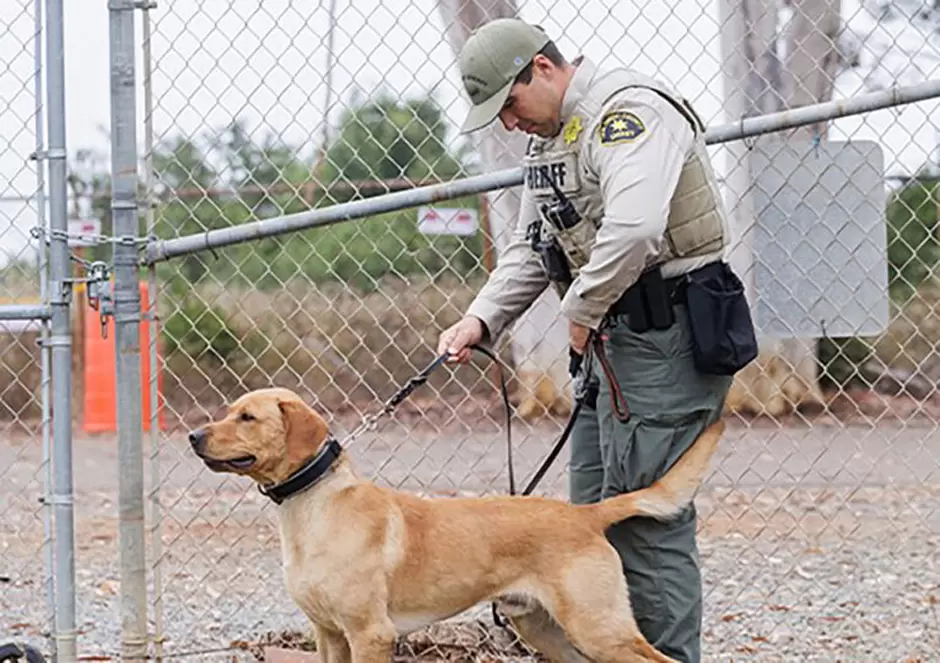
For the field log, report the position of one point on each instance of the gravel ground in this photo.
(817, 544)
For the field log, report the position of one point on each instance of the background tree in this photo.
(384, 138)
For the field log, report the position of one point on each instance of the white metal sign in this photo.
(820, 246)
(447, 220)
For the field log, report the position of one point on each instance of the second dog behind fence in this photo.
(367, 564)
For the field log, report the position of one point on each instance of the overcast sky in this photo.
(216, 60)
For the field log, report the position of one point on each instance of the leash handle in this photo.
(617, 400)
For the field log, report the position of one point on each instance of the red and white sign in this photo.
(83, 232)
(447, 221)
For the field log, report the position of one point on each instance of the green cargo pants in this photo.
(670, 404)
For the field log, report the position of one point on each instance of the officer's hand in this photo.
(578, 336)
(457, 339)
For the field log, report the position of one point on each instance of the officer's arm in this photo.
(516, 281)
(636, 151)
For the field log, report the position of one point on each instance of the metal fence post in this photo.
(61, 340)
(42, 264)
(152, 317)
(127, 329)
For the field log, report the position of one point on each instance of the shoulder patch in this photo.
(619, 127)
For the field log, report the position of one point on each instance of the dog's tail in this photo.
(666, 498)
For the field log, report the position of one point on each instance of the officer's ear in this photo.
(542, 64)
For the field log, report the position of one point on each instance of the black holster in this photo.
(648, 302)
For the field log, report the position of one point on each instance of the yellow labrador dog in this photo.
(367, 564)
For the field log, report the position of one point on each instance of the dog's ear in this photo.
(306, 430)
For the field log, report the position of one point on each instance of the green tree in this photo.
(181, 164)
(380, 139)
(389, 139)
(267, 175)
(913, 245)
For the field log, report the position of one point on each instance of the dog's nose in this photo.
(197, 439)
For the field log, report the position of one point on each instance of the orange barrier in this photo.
(100, 393)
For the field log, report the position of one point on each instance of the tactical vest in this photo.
(697, 228)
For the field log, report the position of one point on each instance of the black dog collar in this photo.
(306, 476)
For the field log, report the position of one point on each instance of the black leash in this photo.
(422, 377)
(507, 407)
(582, 383)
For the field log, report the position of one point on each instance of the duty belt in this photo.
(671, 289)
(649, 301)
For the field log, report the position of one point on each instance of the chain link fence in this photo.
(24, 531)
(37, 592)
(307, 217)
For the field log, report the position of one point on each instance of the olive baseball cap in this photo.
(491, 59)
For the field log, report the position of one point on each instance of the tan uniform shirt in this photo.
(619, 162)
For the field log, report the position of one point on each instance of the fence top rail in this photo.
(160, 250)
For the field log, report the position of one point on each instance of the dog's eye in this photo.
(247, 416)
